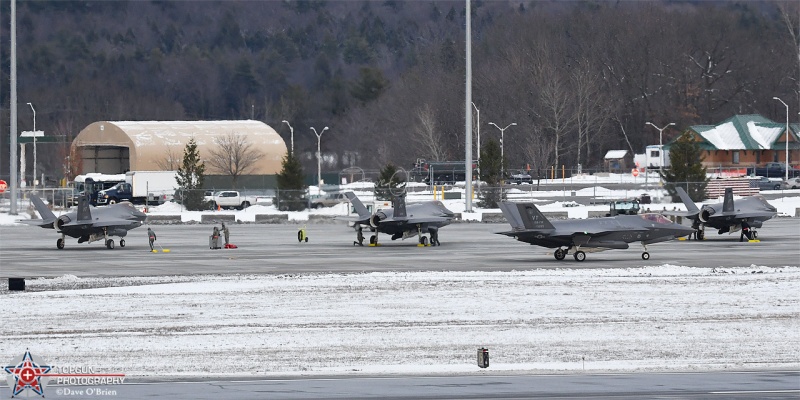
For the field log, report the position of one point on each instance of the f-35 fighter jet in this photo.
(89, 224)
(570, 237)
(402, 221)
(745, 214)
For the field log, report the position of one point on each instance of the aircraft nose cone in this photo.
(140, 215)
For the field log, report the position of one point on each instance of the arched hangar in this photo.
(114, 147)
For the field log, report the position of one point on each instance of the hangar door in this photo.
(106, 159)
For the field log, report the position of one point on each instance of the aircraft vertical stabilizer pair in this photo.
(401, 221)
(747, 213)
(529, 225)
(89, 224)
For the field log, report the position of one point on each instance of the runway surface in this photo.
(713, 385)
(274, 249)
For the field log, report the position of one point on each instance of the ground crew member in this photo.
(359, 236)
(226, 232)
(215, 238)
(152, 236)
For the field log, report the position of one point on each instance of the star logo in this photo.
(26, 373)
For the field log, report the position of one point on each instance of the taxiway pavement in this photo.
(273, 249)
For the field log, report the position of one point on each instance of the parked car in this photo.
(520, 178)
(765, 183)
(792, 183)
(329, 200)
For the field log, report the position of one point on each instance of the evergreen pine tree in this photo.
(491, 169)
(389, 183)
(291, 185)
(686, 168)
(191, 175)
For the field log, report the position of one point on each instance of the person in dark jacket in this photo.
(151, 236)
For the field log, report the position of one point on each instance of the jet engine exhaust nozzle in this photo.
(706, 213)
(61, 221)
(375, 220)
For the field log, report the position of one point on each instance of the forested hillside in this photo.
(387, 77)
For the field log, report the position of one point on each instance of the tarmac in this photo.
(30, 252)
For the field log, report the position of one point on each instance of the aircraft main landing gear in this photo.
(559, 254)
(110, 244)
(60, 244)
(423, 240)
(373, 240)
(122, 243)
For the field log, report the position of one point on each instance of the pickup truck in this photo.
(228, 199)
(773, 170)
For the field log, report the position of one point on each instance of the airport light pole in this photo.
(291, 131)
(786, 167)
(660, 147)
(502, 152)
(478, 124)
(319, 158)
(34, 147)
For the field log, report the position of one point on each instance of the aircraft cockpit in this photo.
(656, 218)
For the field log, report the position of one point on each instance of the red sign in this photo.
(3, 186)
(635, 172)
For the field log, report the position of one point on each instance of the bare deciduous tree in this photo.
(234, 155)
(171, 160)
(431, 142)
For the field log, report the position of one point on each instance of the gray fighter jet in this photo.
(530, 226)
(745, 214)
(89, 224)
(400, 221)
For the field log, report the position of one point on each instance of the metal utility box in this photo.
(483, 357)
(16, 284)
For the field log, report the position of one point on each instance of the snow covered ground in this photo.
(657, 318)
(641, 319)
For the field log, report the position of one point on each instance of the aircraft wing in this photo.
(687, 214)
(100, 224)
(36, 222)
(358, 220)
(740, 216)
(425, 220)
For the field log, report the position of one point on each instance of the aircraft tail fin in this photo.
(84, 213)
(525, 216)
(360, 208)
(687, 201)
(727, 203)
(399, 204)
(44, 211)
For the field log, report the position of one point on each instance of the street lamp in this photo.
(319, 158)
(34, 146)
(660, 147)
(502, 154)
(291, 130)
(479, 144)
(787, 138)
